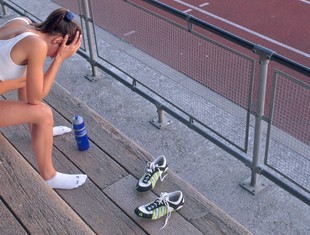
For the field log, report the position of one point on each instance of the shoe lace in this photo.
(162, 200)
(148, 171)
(150, 168)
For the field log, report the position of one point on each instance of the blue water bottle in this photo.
(80, 133)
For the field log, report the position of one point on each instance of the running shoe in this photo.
(163, 205)
(154, 170)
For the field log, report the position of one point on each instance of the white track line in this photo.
(204, 4)
(245, 29)
(188, 10)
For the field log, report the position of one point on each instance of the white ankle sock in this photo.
(60, 130)
(66, 181)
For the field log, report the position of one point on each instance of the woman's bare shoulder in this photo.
(34, 43)
(13, 25)
(29, 46)
(19, 20)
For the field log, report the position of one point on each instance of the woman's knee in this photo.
(45, 114)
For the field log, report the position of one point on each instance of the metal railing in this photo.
(208, 79)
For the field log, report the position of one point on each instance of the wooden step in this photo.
(28, 204)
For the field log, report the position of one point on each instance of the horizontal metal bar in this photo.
(291, 64)
(305, 197)
(4, 3)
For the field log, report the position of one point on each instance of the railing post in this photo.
(252, 184)
(160, 122)
(89, 33)
(4, 9)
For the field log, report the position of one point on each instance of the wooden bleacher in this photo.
(105, 203)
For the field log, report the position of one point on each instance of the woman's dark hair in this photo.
(60, 22)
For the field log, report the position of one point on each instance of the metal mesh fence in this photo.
(288, 146)
(291, 106)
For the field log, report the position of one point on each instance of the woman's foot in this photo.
(66, 181)
(60, 130)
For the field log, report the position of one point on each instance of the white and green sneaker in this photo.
(164, 205)
(154, 170)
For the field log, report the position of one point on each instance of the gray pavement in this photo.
(209, 169)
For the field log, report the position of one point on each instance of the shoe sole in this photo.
(174, 210)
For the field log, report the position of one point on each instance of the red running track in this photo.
(280, 25)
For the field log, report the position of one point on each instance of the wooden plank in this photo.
(8, 223)
(176, 224)
(41, 210)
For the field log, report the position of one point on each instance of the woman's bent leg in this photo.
(41, 118)
(42, 142)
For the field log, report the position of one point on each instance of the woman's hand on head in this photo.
(66, 51)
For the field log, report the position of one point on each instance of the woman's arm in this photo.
(35, 75)
(10, 85)
(38, 83)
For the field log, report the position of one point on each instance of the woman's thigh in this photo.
(19, 112)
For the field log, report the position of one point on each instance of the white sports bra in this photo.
(8, 69)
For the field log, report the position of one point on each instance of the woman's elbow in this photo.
(33, 99)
